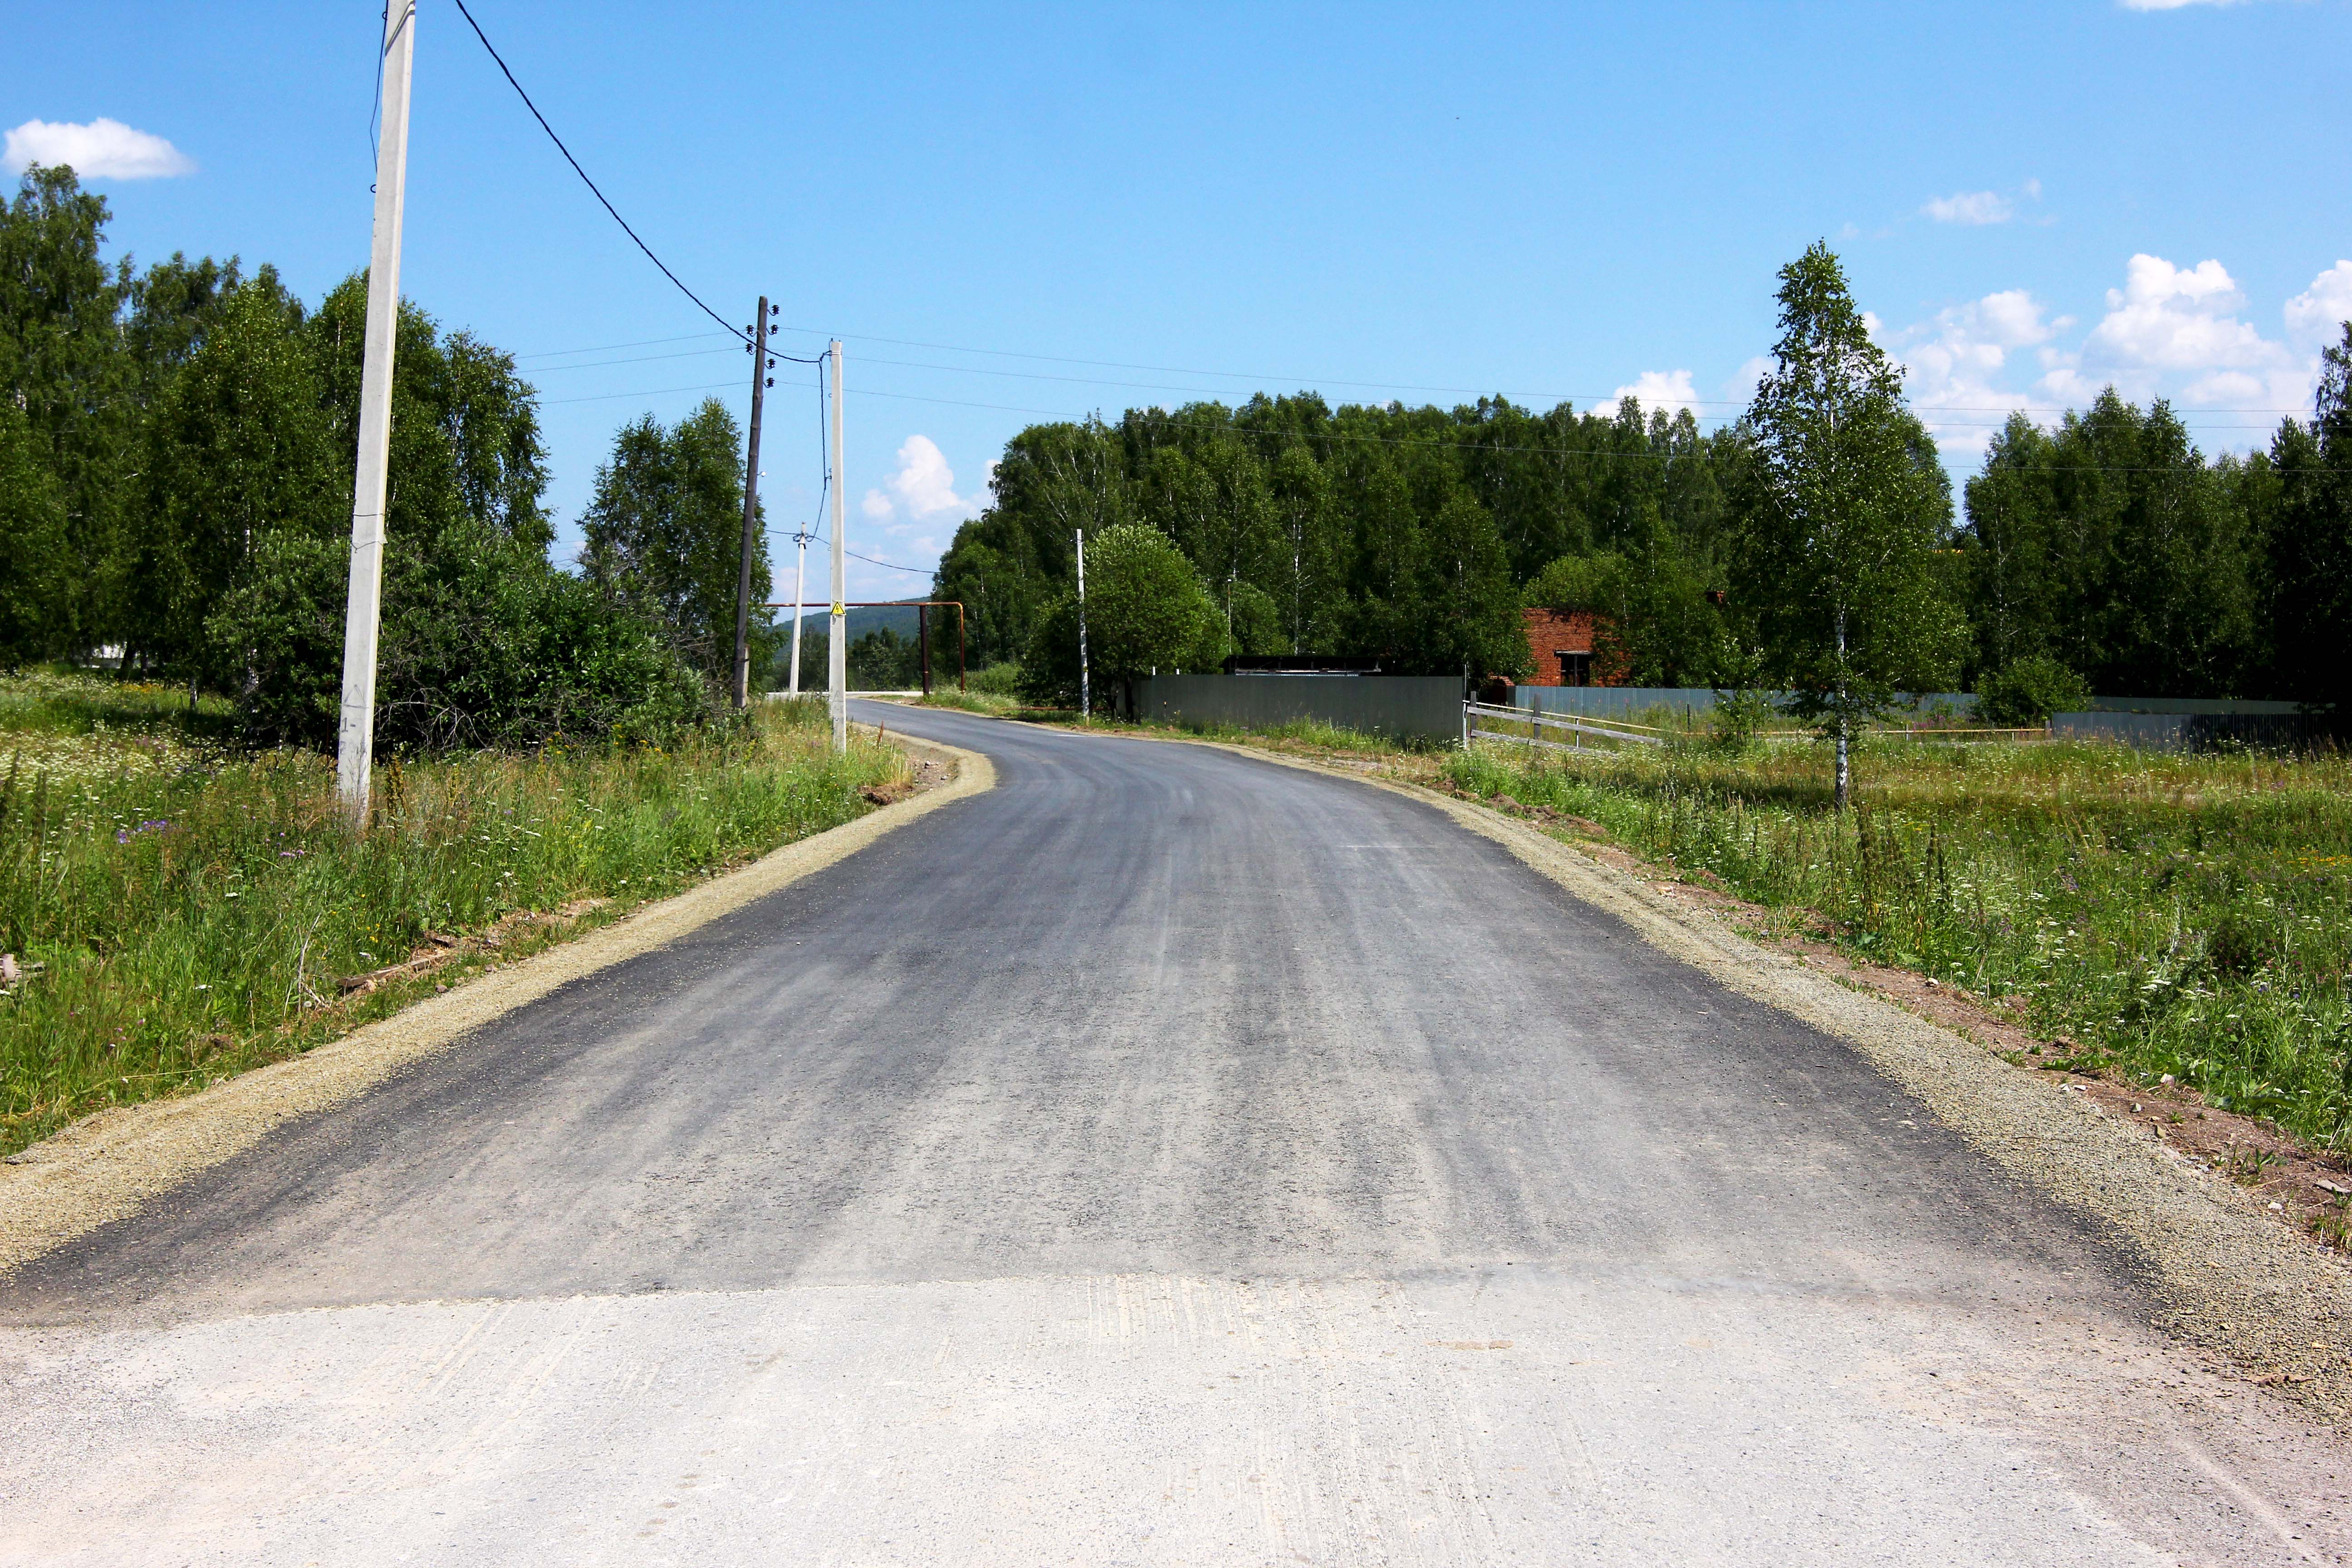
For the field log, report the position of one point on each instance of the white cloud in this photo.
(1750, 376)
(2318, 313)
(2175, 332)
(1975, 208)
(1955, 362)
(2171, 319)
(101, 149)
(1972, 207)
(922, 490)
(1668, 389)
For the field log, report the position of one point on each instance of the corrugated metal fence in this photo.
(2190, 731)
(1687, 702)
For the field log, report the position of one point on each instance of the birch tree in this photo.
(1848, 507)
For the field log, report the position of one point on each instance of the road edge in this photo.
(107, 1166)
(2233, 1280)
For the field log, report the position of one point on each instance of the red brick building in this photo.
(1561, 650)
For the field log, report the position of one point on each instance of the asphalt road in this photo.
(1167, 1157)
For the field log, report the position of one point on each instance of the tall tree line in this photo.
(2109, 545)
(2113, 546)
(1409, 533)
(177, 451)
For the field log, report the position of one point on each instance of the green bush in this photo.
(2026, 692)
(1736, 717)
(995, 680)
(484, 644)
(1146, 610)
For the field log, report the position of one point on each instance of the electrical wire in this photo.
(871, 561)
(742, 337)
(1264, 378)
(608, 348)
(918, 570)
(1595, 401)
(650, 392)
(1166, 421)
(634, 359)
(824, 459)
(375, 108)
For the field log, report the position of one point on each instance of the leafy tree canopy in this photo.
(1846, 507)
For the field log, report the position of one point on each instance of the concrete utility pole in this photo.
(761, 365)
(837, 654)
(1086, 679)
(355, 729)
(800, 592)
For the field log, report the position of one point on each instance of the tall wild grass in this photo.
(2188, 915)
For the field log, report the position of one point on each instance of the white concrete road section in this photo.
(1166, 1157)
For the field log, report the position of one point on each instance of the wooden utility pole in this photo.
(355, 727)
(760, 380)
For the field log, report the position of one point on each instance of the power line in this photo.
(1595, 401)
(918, 570)
(820, 537)
(375, 108)
(1165, 420)
(551, 136)
(1464, 438)
(1310, 381)
(1986, 419)
(652, 392)
(633, 359)
(1982, 423)
(608, 348)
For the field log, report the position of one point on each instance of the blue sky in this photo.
(1422, 202)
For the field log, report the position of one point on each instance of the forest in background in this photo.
(175, 474)
(2109, 545)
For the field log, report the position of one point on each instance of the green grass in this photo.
(1310, 735)
(2184, 915)
(995, 704)
(193, 909)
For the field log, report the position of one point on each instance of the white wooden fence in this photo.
(1485, 721)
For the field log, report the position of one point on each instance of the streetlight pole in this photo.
(837, 653)
(800, 592)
